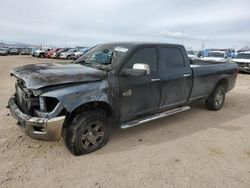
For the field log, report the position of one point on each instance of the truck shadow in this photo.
(183, 124)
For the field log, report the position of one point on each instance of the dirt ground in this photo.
(196, 148)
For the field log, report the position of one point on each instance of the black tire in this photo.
(88, 132)
(216, 99)
(68, 57)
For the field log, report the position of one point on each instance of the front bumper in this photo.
(47, 129)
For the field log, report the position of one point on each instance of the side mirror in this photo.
(138, 69)
(141, 66)
(133, 72)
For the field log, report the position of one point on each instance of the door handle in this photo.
(155, 79)
(186, 75)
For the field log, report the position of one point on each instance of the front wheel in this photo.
(88, 132)
(216, 99)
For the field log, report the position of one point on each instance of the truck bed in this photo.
(205, 62)
(207, 74)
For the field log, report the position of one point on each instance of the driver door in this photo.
(140, 94)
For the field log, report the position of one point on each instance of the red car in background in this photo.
(50, 53)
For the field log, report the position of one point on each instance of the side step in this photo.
(153, 117)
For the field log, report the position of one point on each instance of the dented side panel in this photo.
(73, 96)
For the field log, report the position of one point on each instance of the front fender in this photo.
(73, 96)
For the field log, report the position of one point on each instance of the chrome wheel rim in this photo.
(219, 98)
(92, 136)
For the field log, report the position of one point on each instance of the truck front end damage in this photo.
(24, 107)
(45, 93)
(48, 129)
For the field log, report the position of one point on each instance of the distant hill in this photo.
(10, 44)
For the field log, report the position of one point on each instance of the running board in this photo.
(153, 117)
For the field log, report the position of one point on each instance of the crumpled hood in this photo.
(37, 76)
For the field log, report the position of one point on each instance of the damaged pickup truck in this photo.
(115, 84)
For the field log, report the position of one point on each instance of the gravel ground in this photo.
(196, 148)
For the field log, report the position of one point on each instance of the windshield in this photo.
(243, 56)
(215, 54)
(191, 52)
(98, 57)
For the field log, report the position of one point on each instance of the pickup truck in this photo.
(243, 61)
(113, 85)
(216, 56)
(41, 52)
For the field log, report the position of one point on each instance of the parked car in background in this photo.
(56, 55)
(14, 51)
(48, 54)
(41, 52)
(243, 61)
(217, 56)
(33, 51)
(79, 53)
(25, 51)
(4, 51)
(192, 54)
(67, 55)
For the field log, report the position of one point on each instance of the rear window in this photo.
(171, 58)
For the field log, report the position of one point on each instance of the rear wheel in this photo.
(88, 132)
(216, 99)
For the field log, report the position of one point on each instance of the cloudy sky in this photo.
(214, 23)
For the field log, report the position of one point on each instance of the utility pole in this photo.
(203, 45)
(65, 40)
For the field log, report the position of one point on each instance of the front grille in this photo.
(24, 101)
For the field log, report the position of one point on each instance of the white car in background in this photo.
(67, 55)
(192, 54)
(243, 61)
(216, 56)
(41, 52)
(79, 53)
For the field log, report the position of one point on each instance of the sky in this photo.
(193, 23)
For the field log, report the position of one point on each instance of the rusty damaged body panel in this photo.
(36, 76)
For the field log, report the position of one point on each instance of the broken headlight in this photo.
(47, 104)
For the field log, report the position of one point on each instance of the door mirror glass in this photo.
(139, 69)
(133, 72)
(141, 66)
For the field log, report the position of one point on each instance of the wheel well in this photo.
(97, 105)
(224, 83)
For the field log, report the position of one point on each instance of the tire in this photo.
(82, 135)
(68, 57)
(216, 99)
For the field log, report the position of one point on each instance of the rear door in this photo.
(175, 76)
(140, 94)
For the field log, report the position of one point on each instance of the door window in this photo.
(171, 58)
(144, 56)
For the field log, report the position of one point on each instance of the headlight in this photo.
(47, 104)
